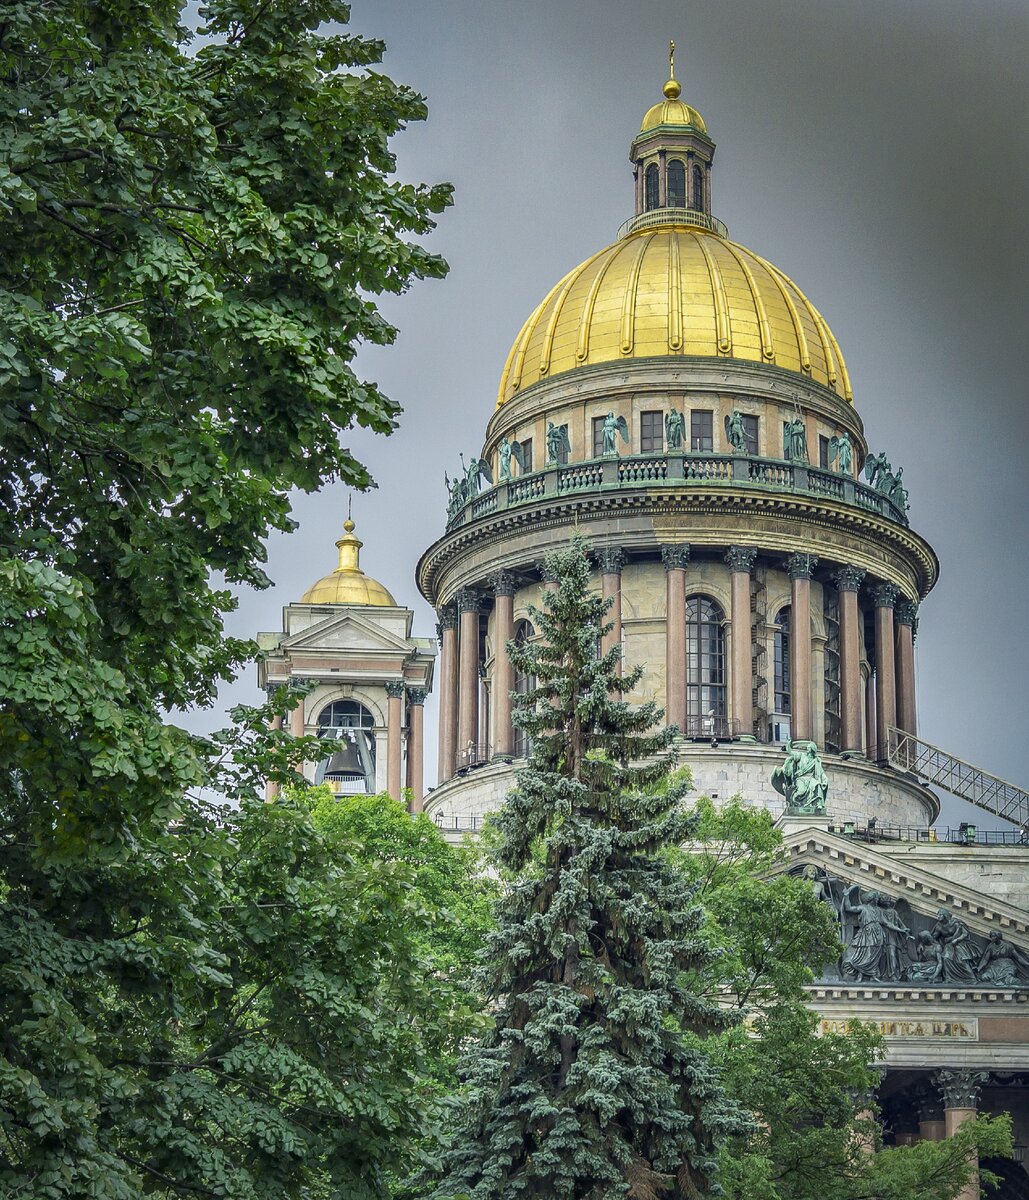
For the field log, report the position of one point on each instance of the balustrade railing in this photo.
(673, 468)
(672, 216)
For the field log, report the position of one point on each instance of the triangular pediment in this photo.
(346, 631)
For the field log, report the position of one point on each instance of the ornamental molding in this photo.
(557, 511)
(905, 993)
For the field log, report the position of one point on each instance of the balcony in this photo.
(673, 469)
(672, 216)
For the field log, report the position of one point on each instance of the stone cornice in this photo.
(906, 993)
(692, 501)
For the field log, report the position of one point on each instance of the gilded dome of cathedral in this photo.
(348, 584)
(674, 290)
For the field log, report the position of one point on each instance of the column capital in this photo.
(395, 688)
(848, 579)
(469, 600)
(446, 619)
(906, 612)
(504, 584)
(676, 558)
(611, 559)
(547, 573)
(960, 1089)
(741, 558)
(417, 695)
(885, 595)
(800, 566)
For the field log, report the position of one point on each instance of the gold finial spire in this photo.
(672, 90)
(349, 546)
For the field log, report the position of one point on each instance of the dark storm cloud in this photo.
(875, 151)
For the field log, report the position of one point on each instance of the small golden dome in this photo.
(348, 584)
(673, 111)
(674, 291)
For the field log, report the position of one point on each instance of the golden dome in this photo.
(672, 111)
(348, 584)
(670, 291)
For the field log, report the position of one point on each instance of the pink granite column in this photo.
(416, 747)
(905, 618)
(959, 1091)
(675, 559)
(447, 632)
(885, 596)
(468, 604)
(848, 581)
(271, 789)
(611, 561)
(800, 567)
(741, 562)
(394, 735)
(503, 672)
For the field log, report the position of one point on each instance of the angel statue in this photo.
(612, 426)
(475, 473)
(504, 453)
(735, 432)
(675, 427)
(455, 490)
(795, 440)
(898, 492)
(802, 779)
(558, 445)
(877, 467)
(840, 448)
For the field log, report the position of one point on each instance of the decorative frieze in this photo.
(676, 558)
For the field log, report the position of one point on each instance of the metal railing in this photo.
(672, 216)
(966, 834)
(672, 469)
(711, 729)
(475, 754)
(1005, 800)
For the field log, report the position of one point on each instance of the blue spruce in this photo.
(595, 1081)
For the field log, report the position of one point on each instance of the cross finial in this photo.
(671, 59)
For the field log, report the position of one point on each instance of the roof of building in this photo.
(348, 584)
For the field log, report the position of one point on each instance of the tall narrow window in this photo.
(831, 616)
(823, 452)
(598, 437)
(782, 662)
(750, 432)
(652, 193)
(350, 766)
(705, 668)
(523, 684)
(698, 190)
(676, 184)
(702, 429)
(652, 435)
(526, 456)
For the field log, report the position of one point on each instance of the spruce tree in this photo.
(595, 1081)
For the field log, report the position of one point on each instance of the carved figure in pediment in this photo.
(927, 966)
(958, 956)
(1002, 963)
(873, 952)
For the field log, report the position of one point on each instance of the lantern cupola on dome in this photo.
(348, 584)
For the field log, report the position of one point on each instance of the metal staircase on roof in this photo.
(996, 796)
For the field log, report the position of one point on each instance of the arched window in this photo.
(524, 684)
(350, 768)
(705, 668)
(676, 184)
(782, 663)
(698, 190)
(652, 190)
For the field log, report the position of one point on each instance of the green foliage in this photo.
(195, 1001)
(451, 881)
(596, 1080)
(808, 1090)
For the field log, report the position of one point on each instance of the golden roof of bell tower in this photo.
(348, 584)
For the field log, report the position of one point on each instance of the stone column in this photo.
(447, 632)
(800, 566)
(869, 712)
(271, 789)
(611, 561)
(548, 577)
(296, 720)
(930, 1113)
(848, 580)
(637, 178)
(741, 562)
(416, 746)
(503, 672)
(662, 180)
(468, 604)
(885, 596)
(394, 735)
(959, 1091)
(905, 616)
(675, 559)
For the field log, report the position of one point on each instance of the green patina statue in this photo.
(840, 448)
(558, 445)
(612, 427)
(736, 432)
(802, 780)
(675, 427)
(795, 440)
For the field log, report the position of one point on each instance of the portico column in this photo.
(885, 596)
(447, 633)
(296, 719)
(271, 789)
(959, 1091)
(468, 604)
(675, 559)
(848, 580)
(503, 672)
(548, 576)
(611, 561)
(416, 746)
(905, 615)
(930, 1114)
(800, 566)
(394, 721)
(741, 562)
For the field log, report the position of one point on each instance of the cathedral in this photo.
(679, 400)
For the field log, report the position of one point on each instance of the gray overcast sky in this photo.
(875, 150)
